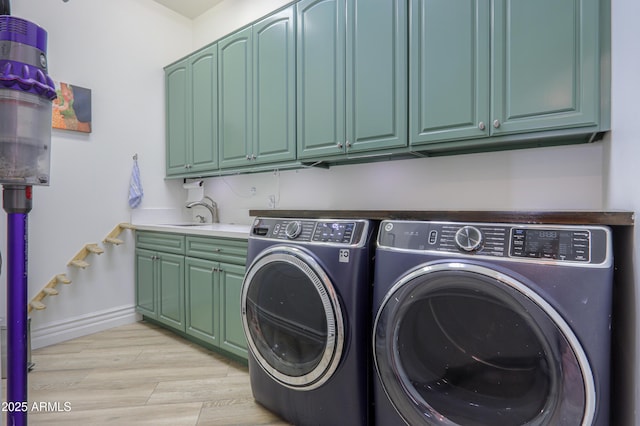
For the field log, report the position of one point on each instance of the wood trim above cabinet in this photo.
(578, 217)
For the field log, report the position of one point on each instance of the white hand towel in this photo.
(135, 187)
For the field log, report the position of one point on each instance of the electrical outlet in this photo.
(252, 191)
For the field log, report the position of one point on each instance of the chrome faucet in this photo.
(210, 205)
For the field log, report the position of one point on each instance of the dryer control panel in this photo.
(322, 231)
(574, 244)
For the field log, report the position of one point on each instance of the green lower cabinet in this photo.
(203, 304)
(195, 289)
(171, 290)
(232, 338)
(213, 304)
(160, 287)
(146, 283)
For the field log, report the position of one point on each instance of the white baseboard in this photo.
(72, 328)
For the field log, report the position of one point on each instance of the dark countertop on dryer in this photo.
(578, 217)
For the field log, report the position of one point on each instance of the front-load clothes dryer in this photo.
(306, 312)
(492, 324)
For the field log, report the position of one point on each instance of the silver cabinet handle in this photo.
(496, 123)
(481, 125)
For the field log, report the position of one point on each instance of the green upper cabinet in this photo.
(274, 88)
(257, 93)
(449, 69)
(321, 77)
(480, 68)
(177, 117)
(546, 65)
(191, 114)
(351, 85)
(235, 98)
(376, 75)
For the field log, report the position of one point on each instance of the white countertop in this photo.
(226, 230)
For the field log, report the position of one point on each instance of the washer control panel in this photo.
(563, 244)
(577, 244)
(326, 231)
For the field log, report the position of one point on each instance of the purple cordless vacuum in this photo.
(26, 92)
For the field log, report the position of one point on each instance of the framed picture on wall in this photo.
(72, 108)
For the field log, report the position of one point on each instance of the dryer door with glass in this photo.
(292, 317)
(463, 344)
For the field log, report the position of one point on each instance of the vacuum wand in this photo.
(26, 93)
(17, 202)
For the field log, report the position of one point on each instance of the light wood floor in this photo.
(140, 374)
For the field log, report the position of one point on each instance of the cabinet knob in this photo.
(348, 144)
(481, 125)
(248, 157)
(496, 123)
(253, 156)
(339, 145)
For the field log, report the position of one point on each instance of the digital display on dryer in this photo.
(551, 244)
(334, 232)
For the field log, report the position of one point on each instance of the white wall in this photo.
(622, 183)
(560, 178)
(228, 16)
(116, 48)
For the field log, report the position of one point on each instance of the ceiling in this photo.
(189, 8)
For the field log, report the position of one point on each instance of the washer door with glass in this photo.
(462, 344)
(292, 318)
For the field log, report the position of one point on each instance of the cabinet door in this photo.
(204, 107)
(320, 77)
(171, 290)
(546, 68)
(274, 88)
(449, 70)
(235, 99)
(376, 74)
(232, 336)
(202, 300)
(178, 116)
(146, 296)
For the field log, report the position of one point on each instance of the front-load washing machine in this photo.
(306, 312)
(492, 324)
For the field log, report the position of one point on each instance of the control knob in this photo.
(468, 238)
(293, 229)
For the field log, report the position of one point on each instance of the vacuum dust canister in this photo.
(26, 93)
